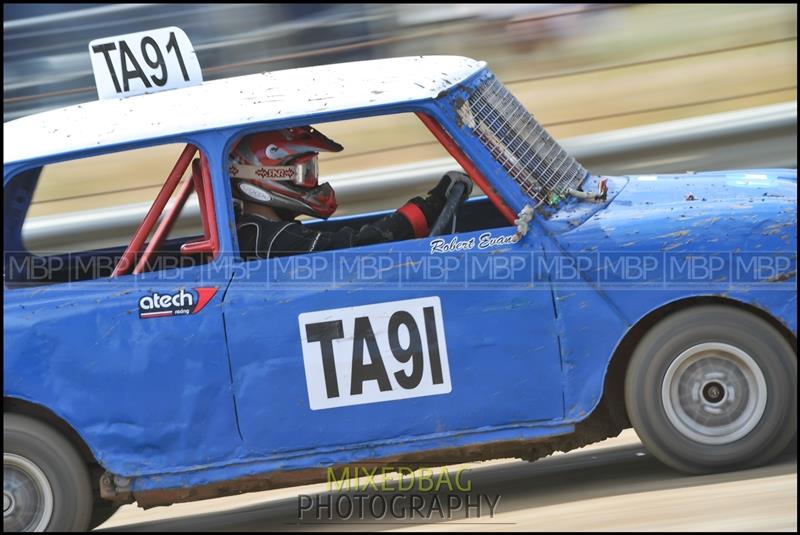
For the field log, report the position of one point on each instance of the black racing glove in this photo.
(438, 195)
(433, 203)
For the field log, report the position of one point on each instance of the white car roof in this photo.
(233, 101)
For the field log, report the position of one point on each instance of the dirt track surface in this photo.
(611, 486)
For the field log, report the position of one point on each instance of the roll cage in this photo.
(139, 253)
(200, 182)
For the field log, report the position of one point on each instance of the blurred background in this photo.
(579, 68)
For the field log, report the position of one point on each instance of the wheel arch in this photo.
(46, 416)
(613, 397)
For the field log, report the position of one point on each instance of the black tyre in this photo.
(713, 388)
(45, 482)
(102, 511)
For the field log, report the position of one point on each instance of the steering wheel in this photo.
(455, 198)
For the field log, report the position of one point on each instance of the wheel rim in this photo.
(714, 393)
(27, 495)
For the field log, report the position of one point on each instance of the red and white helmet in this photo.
(279, 169)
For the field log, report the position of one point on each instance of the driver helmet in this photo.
(279, 169)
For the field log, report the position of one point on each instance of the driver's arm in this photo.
(412, 220)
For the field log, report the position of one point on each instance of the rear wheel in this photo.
(713, 388)
(45, 482)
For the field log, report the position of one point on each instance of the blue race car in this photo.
(552, 312)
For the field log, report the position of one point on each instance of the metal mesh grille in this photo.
(526, 151)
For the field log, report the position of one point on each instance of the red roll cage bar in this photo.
(200, 182)
(477, 177)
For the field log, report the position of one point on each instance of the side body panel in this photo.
(498, 340)
(735, 238)
(148, 395)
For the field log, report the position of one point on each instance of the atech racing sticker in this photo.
(180, 303)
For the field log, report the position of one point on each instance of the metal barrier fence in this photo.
(753, 138)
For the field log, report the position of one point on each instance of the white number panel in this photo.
(144, 62)
(373, 353)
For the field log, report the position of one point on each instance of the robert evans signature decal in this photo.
(484, 241)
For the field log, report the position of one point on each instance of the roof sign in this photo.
(144, 62)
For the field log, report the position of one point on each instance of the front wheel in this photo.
(713, 388)
(45, 482)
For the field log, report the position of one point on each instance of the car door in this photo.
(137, 364)
(392, 342)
